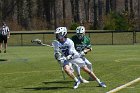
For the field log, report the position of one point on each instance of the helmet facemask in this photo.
(59, 36)
(61, 33)
(80, 31)
(80, 35)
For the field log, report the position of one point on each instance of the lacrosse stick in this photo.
(39, 42)
(54, 43)
(63, 73)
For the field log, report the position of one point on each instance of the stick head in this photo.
(38, 41)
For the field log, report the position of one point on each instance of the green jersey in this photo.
(80, 45)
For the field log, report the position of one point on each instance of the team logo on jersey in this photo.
(80, 47)
(65, 50)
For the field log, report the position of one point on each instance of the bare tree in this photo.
(59, 13)
(100, 13)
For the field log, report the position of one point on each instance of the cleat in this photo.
(76, 84)
(0, 51)
(102, 85)
(84, 81)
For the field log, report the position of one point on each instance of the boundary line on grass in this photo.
(124, 86)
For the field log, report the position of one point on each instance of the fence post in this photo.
(43, 38)
(21, 40)
(112, 38)
(134, 37)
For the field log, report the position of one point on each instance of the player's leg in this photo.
(89, 65)
(0, 47)
(85, 68)
(5, 43)
(1, 41)
(68, 71)
(77, 70)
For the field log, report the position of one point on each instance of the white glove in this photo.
(69, 57)
(61, 60)
(82, 53)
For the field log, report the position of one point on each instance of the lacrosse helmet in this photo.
(80, 31)
(61, 32)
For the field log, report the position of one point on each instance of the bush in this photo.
(74, 26)
(117, 21)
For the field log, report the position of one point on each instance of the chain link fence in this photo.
(23, 38)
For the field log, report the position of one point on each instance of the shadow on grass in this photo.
(55, 87)
(57, 82)
(3, 59)
(46, 88)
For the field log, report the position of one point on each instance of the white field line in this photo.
(28, 72)
(124, 86)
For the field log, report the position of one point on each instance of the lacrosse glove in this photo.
(69, 57)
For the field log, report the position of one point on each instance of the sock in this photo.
(75, 79)
(98, 80)
(80, 77)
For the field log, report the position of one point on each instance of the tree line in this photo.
(49, 14)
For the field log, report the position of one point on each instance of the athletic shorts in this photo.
(78, 61)
(3, 38)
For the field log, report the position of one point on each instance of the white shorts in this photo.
(78, 61)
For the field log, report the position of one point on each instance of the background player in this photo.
(83, 46)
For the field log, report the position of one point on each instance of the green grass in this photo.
(33, 69)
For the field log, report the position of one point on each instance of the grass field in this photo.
(33, 69)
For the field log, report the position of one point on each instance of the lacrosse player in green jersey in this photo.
(83, 46)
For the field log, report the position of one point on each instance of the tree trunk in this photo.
(59, 13)
(91, 12)
(67, 8)
(100, 13)
(120, 6)
(82, 15)
(107, 7)
(95, 24)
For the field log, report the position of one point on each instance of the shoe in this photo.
(0, 51)
(76, 84)
(84, 81)
(102, 85)
(4, 51)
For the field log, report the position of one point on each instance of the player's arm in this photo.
(88, 47)
(86, 50)
(72, 51)
(57, 54)
(8, 35)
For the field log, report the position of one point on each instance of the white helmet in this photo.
(61, 32)
(80, 30)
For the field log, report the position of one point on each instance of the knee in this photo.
(66, 69)
(89, 64)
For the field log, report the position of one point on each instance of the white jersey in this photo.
(67, 48)
(4, 30)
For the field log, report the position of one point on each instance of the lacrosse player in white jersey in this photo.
(65, 53)
(4, 35)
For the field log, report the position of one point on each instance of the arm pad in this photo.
(57, 56)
